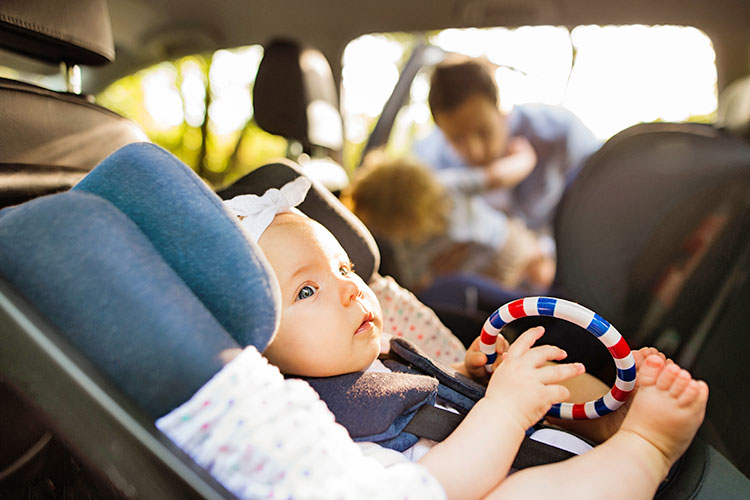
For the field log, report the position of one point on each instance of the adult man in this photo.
(522, 160)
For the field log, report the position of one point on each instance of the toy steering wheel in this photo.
(579, 315)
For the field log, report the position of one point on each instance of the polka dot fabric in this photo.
(405, 316)
(262, 436)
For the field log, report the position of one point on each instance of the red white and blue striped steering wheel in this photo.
(585, 318)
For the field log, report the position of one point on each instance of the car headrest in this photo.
(52, 139)
(321, 205)
(295, 96)
(195, 234)
(52, 31)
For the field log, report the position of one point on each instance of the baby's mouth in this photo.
(367, 324)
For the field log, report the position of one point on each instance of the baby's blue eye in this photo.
(306, 292)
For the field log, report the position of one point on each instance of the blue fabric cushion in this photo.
(195, 234)
(94, 275)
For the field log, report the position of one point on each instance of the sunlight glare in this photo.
(622, 75)
(232, 73)
(370, 71)
(161, 98)
(193, 90)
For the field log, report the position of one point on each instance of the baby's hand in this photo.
(475, 359)
(525, 384)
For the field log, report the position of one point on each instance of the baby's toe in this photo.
(689, 394)
(680, 383)
(668, 376)
(650, 368)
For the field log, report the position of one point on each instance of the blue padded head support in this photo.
(195, 234)
(93, 274)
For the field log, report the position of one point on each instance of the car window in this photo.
(200, 108)
(611, 77)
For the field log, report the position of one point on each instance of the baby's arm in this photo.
(479, 453)
(263, 436)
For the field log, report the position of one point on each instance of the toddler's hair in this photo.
(399, 199)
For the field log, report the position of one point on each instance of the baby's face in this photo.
(331, 320)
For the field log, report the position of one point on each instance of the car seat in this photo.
(656, 218)
(109, 293)
(51, 139)
(653, 235)
(113, 314)
(733, 112)
(703, 473)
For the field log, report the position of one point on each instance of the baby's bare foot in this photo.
(607, 425)
(644, 352)
(667, 408)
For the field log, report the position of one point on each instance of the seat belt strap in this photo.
(436, 423)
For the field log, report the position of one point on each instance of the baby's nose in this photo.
(349, 291)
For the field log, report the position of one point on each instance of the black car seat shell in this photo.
(321, 205)
(653, 234)
(635, 204)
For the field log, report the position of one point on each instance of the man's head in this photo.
(331, 320)
(464, 103)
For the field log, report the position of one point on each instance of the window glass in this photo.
(612, 77)
(200, 108)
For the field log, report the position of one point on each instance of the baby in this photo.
(436, 230)
(331, 324)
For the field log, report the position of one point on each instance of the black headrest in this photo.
(51, 139)
(320, 205)
(295, 96)
(54, 31)
(633, 205)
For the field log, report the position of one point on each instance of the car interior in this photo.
(106, 294)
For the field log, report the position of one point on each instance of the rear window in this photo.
(611, 77)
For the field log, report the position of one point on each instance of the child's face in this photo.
(331, 320)
(476, 129)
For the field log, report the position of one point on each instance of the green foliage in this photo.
(165, 101)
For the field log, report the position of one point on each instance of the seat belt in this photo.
(436, 423)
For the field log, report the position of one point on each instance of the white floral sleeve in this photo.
(262, 436)
(405, 316)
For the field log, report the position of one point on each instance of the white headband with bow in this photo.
(257, 212)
